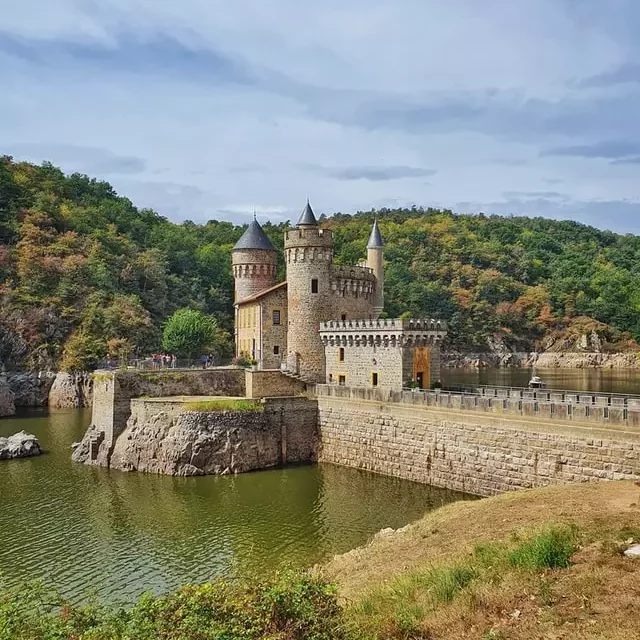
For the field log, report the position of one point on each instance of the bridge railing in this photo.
(534, 408)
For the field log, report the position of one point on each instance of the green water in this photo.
(87, 530)
(605, 380)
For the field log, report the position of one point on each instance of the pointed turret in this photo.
(254, 237)
(375, 262)
(307, 218)
(375, 239)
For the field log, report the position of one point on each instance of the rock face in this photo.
(19, 445)
(545, 360)
(71, 390)
(7, 404)
(31, 388)
(161, 437)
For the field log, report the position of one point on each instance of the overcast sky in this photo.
(206, 109)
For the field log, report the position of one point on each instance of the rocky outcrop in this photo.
(19, 445)
(552, 360)
(161, 436)
(457, 359)
(71, 390)
(31, 388)
(7, 403)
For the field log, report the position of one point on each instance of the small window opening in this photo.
(344, 317)
(331, 377)
(276, 350)
(342, 380)
(374, 379)
(341, 354)
(276, 316)
(314, 285)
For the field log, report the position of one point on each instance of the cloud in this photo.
(80, 159)
(203, 109)
(371, 173)
(605, 149)
(628, 73)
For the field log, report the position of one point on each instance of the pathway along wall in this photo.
(466, 451)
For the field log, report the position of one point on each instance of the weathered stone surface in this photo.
(71, 390)
(161, 437)
(479, 454)
(633, 552)
(31, 388)
(7, 404)
(19, 445)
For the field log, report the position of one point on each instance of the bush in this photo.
(291, 606)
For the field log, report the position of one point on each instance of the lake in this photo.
(91, 531)
(605, 380)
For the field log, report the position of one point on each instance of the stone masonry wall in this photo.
(361, 361)
(267, 384)
(274, 335)
(478, 454)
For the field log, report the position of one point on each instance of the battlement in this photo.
(385, 324)
(346, 272)
(308, 237)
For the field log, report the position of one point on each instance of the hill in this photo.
(80, 265)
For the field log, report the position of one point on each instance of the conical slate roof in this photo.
(254, 237)
(307, 219)
(375, 239)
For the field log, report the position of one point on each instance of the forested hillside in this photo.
(81, 266)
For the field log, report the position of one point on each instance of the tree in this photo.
(189, 333)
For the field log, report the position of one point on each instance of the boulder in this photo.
(7, 404)
(31, 388)
(19, 445)
(71, 390)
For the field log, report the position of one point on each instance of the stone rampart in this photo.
(478, 453)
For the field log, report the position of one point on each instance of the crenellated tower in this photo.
(308, 255)
(254, 260)
(375, 251)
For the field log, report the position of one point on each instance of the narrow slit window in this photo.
(276, 316)
(276, 350)
(341, 354)
(342, 380)
(314, 285)
(374, 379)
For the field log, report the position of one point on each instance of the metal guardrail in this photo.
(516, 392)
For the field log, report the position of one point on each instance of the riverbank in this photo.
(537, 564)
(541, 563)
(545, 360)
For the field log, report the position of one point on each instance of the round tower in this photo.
(308, 253)
(254, 262)
(375, 251)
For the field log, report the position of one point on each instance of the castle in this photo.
(323, 323)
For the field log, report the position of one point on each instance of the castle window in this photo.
(341, 354)
(276, 316)
(331, 377)
(344, 317)
(374, 379)
(314, 285)
(342, 380)
(276, 350)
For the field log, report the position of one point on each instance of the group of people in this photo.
(163, 361)
(207, 361)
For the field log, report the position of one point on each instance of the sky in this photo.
(209, 109)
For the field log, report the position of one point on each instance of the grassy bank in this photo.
(546, 563)
(224, 404)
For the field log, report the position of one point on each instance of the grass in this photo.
(224, 404)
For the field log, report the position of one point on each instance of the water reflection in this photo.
(89, 530)
(606, 380)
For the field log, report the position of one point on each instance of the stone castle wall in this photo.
(269, 384)
(274, 335)
(478, 454)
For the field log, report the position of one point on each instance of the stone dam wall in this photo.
(481, 454)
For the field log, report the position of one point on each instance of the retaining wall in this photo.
(468, 451)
